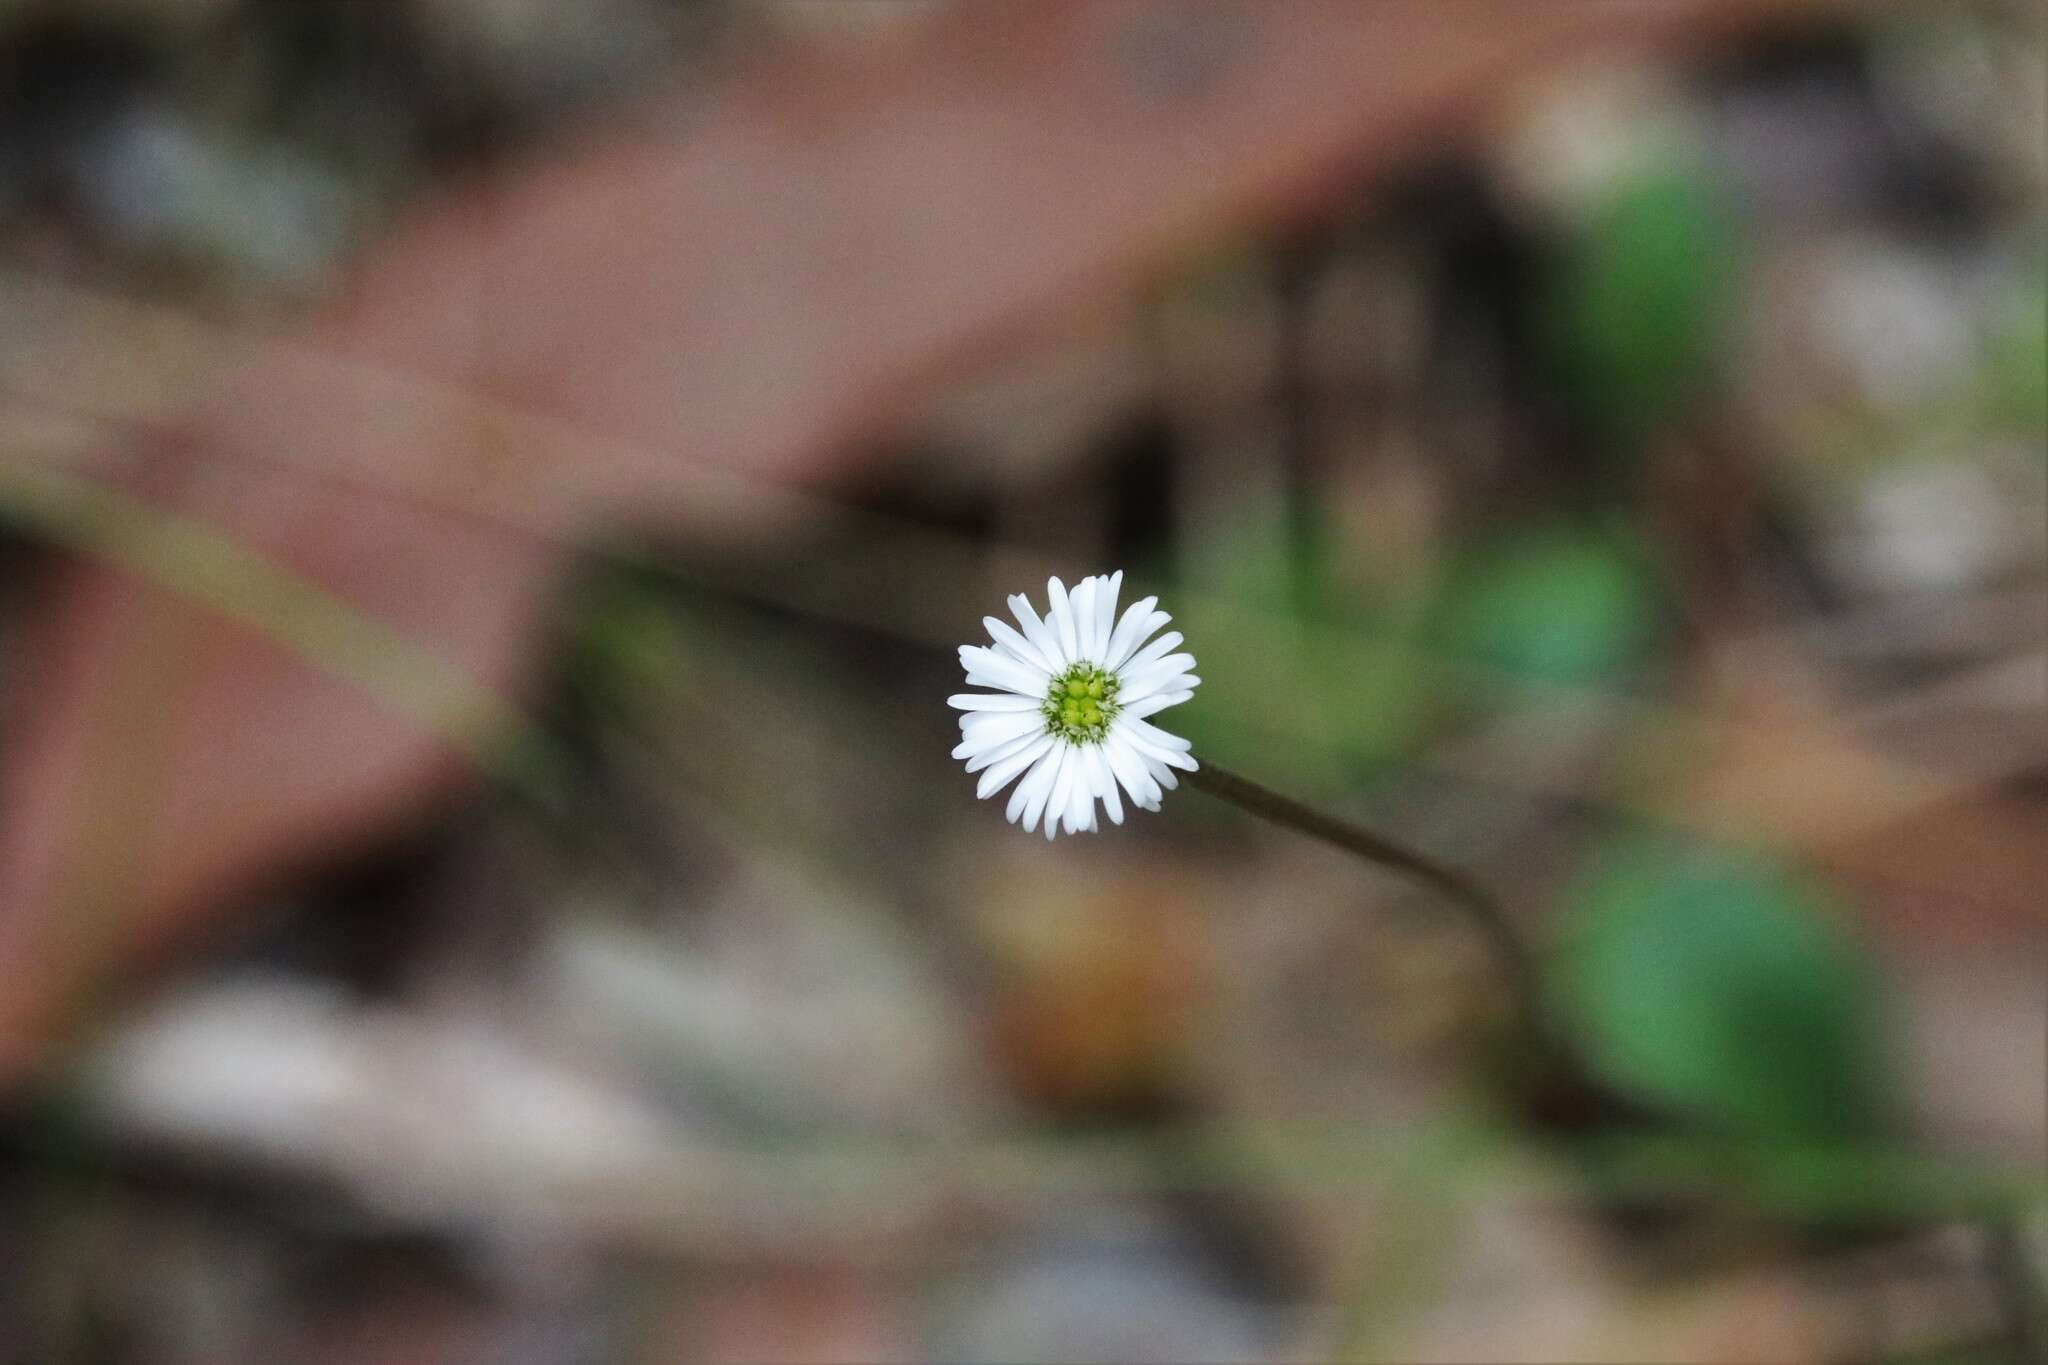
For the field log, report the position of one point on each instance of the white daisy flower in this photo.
(1075, 688)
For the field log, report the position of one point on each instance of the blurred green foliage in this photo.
(1577, 603)
(2015, 378)
(1646, 297)
(1717, 982)
(1356, 698)
(1556, 603)
(620, 631)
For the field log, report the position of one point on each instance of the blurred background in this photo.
(1628, 484)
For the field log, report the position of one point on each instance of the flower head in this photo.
(1074, 689)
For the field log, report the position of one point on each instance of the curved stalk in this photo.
(1516, 962)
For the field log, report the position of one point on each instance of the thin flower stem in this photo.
(1517, 963)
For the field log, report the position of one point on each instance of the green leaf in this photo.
(1717, 982)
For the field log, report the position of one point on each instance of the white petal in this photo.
(1173, 662)
(979, 753)
(1006, 636)
(1082, 604)
(1038, 633)
(996, 753)
(1034, 787)
(1015, 807)
(1154, 704)
(983, 722)
(1081, 800)
(1154, 736)
(1001, 774)
(1044, 778)
(1098, 638)
(1148, 742)
(972, 747)
(1105, 612)
(996, 730)
(1129, 768)
(1061, 614)
(1180, 685)
(1132, 630)
(1086, 610)
(987, 668)
(1143, 682)
(1105, 782)
(1062, 791)
(993, 701)
(1151, 653)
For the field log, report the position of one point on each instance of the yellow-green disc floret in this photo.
(1080, 704)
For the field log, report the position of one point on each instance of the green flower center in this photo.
(1080, 704)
